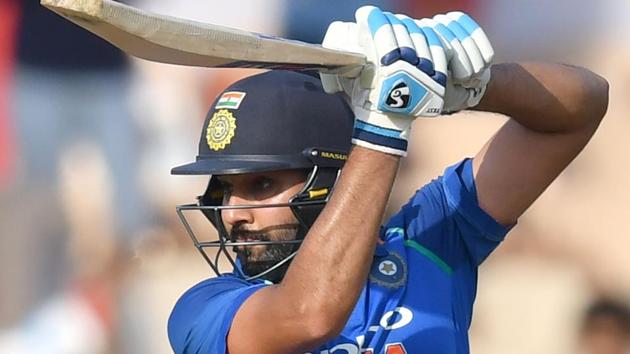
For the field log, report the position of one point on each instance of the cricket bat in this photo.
(172, 40)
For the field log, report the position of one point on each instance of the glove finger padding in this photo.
(424, 60)
(399, 84)
(476, 33)
(467, 43)
(438, 52)
(469, 55)
(459, 64)
(406, 50)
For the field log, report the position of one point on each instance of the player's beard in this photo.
(257, 259)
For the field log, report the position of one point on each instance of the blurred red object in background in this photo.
(419, 9)
(9, 13)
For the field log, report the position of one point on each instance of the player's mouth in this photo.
(249, 238)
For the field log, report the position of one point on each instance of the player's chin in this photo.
(262, 259)
(250, 253)
(253, 268)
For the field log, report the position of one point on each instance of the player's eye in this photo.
(263, 183)
(263, 187)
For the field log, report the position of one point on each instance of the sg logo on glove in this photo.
(398, 96)
(401, 94)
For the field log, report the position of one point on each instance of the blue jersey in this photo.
(420, 291)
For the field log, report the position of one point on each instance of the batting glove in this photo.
(469, 55)
(406, 77)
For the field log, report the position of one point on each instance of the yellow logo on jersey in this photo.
(220, 129)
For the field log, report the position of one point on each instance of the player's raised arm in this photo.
(313, 302)
(319, 292)
(554, 111)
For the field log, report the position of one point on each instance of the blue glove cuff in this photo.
(379, 138)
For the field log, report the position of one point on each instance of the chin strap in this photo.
(318, 187)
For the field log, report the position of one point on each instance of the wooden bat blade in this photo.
(173, 40)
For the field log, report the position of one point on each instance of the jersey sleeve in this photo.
(445, 218)
(201, 318)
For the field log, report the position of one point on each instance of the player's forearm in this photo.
(332, 266)
(551, 98)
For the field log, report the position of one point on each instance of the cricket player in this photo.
(315, 272)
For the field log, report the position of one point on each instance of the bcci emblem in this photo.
(220, 129)
(389, 271)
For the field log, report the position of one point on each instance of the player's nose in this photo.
(235, 213)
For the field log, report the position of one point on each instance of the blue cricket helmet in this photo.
(272, 121)
(277, 120)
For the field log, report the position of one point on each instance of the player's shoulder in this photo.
(439, 195)
(456, 179)
(200, 295)
(219, 284)
(209, 289)
(209, 305)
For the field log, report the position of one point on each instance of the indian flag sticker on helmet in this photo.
(220, 129)
(230, 100)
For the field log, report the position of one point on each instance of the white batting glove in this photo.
(469, 54)
(406, 78)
